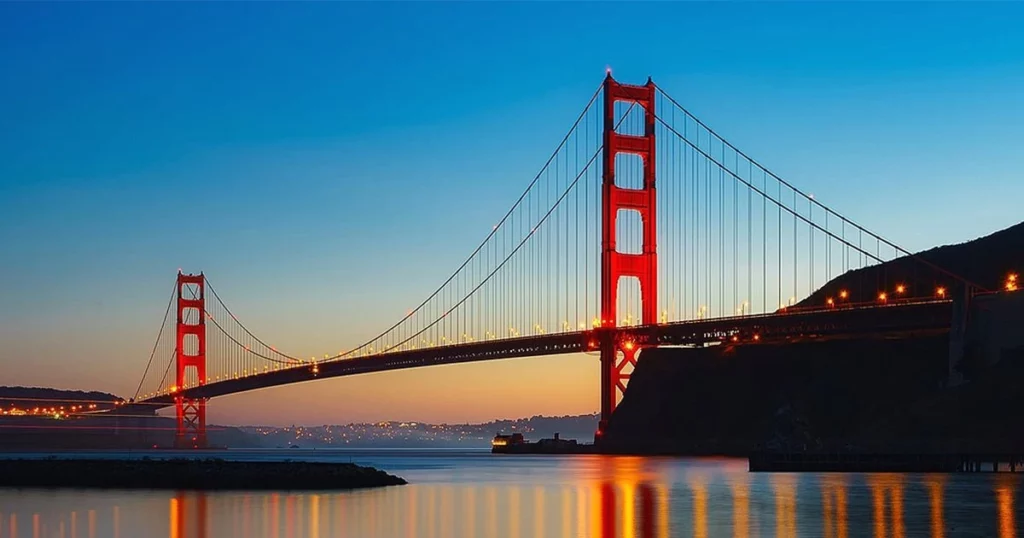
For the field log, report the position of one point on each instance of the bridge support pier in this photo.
(614, 264)
(190, 354)
(616, 355)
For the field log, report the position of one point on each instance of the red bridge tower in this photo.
(616, 351)
(190, 353)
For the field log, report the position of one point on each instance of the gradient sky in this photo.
(328, 164)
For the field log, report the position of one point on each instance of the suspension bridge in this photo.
(643, 228)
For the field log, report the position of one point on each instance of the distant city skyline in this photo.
(328, 164)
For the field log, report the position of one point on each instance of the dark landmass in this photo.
(985, 261)
(726, 400)
(869, 395)
(972, 418)
(40, 400)
(210, 474)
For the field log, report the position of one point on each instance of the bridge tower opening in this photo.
(617, 351)
(190, 353)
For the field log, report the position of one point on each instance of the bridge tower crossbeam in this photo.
(615, 352)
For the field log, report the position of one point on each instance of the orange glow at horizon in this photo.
(470, 392)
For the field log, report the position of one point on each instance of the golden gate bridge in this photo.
(643, 228)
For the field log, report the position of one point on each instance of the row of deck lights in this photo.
(1011, 284)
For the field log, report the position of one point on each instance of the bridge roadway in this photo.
(847, 321)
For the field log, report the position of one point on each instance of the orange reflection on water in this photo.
(662, 501)
(628, 508)
(896, 492)
(175, 515)
(878, 504)
(833, 500)
(890, 485)
(784, 487)
(275, 518)
(604, 510)
(936, 490)
(314, 516)
(740, 488)
(1004, 501)
(202, 517)
(700, 505)
(289, 516)
(647, 516)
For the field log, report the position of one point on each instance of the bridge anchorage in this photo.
(593, 258)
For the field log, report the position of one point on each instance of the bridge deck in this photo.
(899, 318)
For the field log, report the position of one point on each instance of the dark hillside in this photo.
(985, 261)
(33, 397)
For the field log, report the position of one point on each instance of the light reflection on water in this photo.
(468, 494)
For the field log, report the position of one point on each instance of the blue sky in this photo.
(328, 164)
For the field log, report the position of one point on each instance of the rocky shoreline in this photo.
(194, 474)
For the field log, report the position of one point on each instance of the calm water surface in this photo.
(473, 493)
